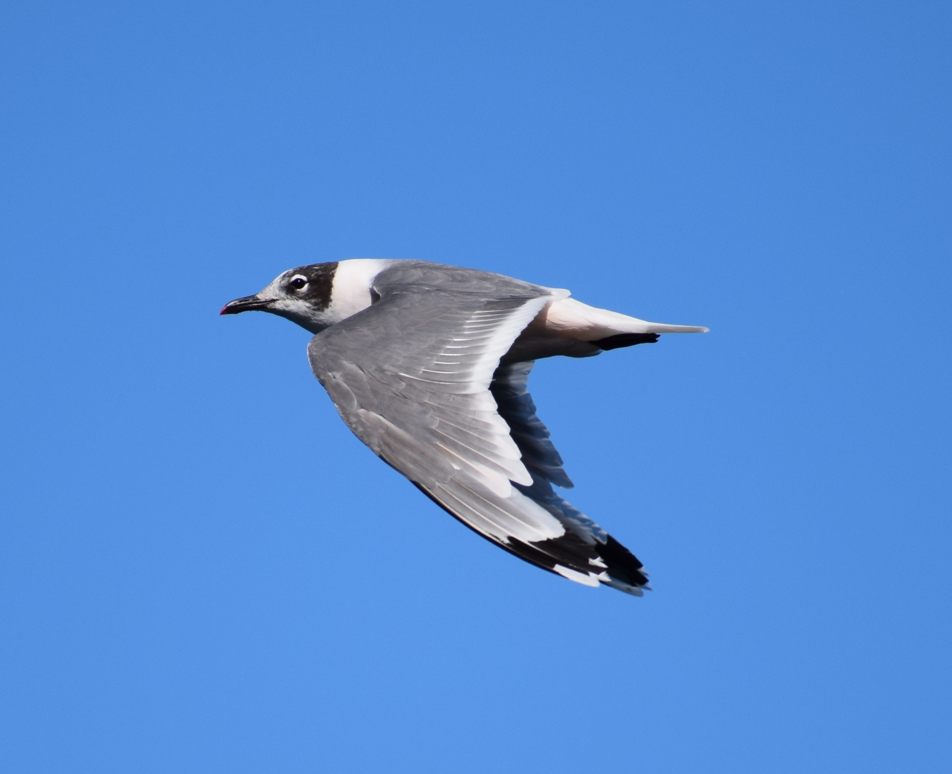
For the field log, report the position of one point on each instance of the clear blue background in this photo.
(202, 570)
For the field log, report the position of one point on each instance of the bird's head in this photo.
(302, 295)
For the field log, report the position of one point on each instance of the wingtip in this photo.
(627, 588)
(586, 579)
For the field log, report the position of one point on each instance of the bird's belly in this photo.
(565, 327)
(530, 346)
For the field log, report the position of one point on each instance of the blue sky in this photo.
(201, 569)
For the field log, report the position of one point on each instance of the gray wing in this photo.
(411, 377)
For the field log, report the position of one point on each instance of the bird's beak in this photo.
(246, 304)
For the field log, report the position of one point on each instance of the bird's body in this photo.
(428, 365)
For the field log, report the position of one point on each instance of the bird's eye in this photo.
(298, 282)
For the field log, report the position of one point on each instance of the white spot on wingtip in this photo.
(575, 575)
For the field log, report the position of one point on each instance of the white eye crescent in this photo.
(298, 282)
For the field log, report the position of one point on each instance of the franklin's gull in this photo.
(428, 365)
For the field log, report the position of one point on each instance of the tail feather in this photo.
(568, 318)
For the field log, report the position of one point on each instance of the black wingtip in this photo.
(626, 340)
(623, 565)
(571, 552)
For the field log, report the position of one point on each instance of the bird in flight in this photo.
(428, 365)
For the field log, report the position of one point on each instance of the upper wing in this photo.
(411, 377)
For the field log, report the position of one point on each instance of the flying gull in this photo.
(428, 365)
